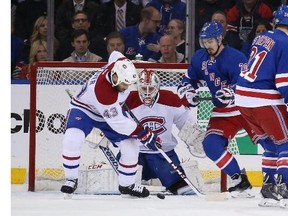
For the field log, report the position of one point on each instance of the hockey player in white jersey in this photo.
(98, 105)
(160, 110)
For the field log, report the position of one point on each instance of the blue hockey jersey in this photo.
(223, 71)
(265, 82)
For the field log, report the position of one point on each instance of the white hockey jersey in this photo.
(160, 117)
(101, 102)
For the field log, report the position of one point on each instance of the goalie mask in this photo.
(148, 86)
(125, 71)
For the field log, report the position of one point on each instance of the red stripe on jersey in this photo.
(128, 166)
(281, 79)
(71, 158)
(258, 94)
(282, 162)
(169, 98)
(269, 162)
(223, 161)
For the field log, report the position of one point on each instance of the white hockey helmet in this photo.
(125, 71)
(148, 86)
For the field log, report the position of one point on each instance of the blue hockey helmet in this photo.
(281, 15)
(211, 30)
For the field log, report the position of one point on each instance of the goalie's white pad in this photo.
(193, 136)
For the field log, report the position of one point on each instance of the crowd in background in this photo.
(88, 30)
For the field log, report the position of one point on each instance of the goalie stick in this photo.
(207, 197)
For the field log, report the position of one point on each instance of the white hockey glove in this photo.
(149, 139)
(225, 95)
(188, 95)
(193, 136)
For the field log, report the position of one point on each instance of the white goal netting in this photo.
(51, 101)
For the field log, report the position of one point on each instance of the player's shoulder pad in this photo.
(104, 92)
(168, 98)
(133, 100)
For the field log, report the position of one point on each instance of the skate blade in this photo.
(128, 196)
(67, 196)
(283, 203)
(266, 202)
(242, 194)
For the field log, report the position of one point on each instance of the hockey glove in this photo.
(149, 139)
(225, 95)
(188, 95)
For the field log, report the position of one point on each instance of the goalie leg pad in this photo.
(158, 167)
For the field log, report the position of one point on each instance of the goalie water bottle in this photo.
(139, 57)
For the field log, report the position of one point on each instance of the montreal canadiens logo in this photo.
(155, 123)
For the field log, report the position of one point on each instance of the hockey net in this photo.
(48, 106)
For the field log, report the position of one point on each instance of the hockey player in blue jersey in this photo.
(219, 66)
(98, 104)
(262, 97)
(137, 38)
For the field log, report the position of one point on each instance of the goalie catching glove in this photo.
(193, 135)
(225, 96)
(188, 95)
(149, 139)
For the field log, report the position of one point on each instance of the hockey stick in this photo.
(210, 98)
(180, 173)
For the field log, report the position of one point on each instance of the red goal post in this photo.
(49, 104)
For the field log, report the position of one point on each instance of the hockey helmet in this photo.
(148, 86)
(125, 71)
(281, 15)
(211, 30)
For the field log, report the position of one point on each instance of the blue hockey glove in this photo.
(225, 96)
(188, 95)
(149, 139)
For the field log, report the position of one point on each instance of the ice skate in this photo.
(134, 190)
(270, 195)
(242, 187)
(69, 187)
(282, 189)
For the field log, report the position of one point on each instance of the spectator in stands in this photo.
(259, 27)
(38, 52)
(27, 12)
(230, 37)
(80, 41)
(204, 11)
(40, 31)
(118, 14)
(176, 28)
(115, 41)
(65, 12)
(97, 44)
(168, 51)
(169, 9)
(244, 14)
(137, 37)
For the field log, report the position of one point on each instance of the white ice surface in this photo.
(52, 204)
